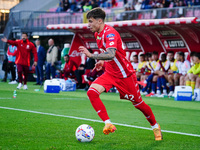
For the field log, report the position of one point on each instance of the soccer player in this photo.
(24, 49)
(162, 69)
(183, 67)
(173, 70)
(153, 77)
(194, 72)
(118, 72)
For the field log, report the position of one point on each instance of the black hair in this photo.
(25, 33)
(181, 54)
(192, 54)
(67, 55)
(170, 52)
(164, 55)
(148, 54)
(142, 55)
(13, 39)
(135, 56)
(155, 53)
(96, 13)
(196, 54)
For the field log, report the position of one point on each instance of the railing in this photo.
(161, 13)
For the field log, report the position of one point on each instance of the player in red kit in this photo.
(118, 72)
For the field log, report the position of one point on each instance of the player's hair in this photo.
(13, 39)
(192, 54)
(96, 13)
(67, 55)
(136, 56)
(25, 33)
(164, 55)
(196, 54)
(155, 53)
(142, 55)
(170, 52)
(181, 54)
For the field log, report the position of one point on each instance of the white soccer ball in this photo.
(84, 133)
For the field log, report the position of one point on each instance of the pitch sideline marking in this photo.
(79, 118)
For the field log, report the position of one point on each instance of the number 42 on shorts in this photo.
(129, 97)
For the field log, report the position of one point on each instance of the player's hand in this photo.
(99, 65)
(170, 71)
(35, 63)
(4, 39)
(84, 51)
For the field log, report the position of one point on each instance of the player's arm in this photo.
(108, 55)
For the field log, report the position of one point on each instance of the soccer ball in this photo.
(84, 133)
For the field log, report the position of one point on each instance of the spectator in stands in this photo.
(138, 5)
(87, 7)
(134, 62)
(66, 5)
(183, 67)
(24, 49)
(194, 72)
(94, 4)
(69, 68)
(173, 70)
(41, 53)
(84, 68)
(51, 58)
(60, 7)
(73, 6)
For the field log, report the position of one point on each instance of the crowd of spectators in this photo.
(85, 5)
(153, 4)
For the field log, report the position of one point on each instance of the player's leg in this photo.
(182, 82)
(100, 85)
(197, 86)
(193, 81)
(19, 71)
(171, 84)
(176, 79)
(26, 70)
(153, 86)
(159, 86)
(187, 80)
(164, 85)
(131, 92)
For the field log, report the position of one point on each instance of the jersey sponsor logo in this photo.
(111, 43)
(111, 39)
(110, 35)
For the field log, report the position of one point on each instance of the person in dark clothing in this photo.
(66, 5)
(82, 69)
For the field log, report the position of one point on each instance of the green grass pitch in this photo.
(31, 130)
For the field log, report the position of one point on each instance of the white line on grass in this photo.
(5, 98)
(79, 118)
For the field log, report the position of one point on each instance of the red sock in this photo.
(146, 110)
(96, 102)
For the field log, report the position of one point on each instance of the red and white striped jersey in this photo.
(119, 67)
